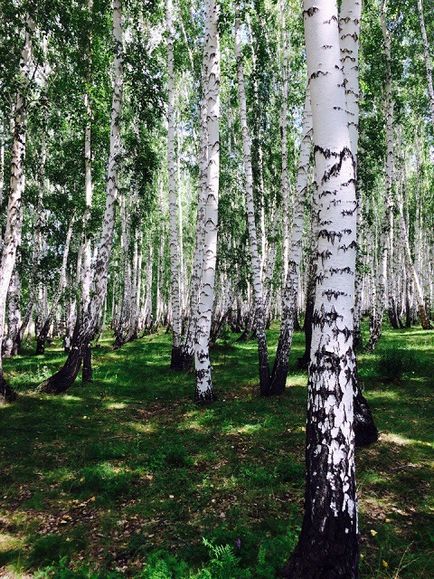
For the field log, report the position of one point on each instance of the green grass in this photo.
(127, 476)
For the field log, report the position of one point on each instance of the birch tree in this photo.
(328, 544)
(290, 292)
(204, 385)
(255, 260)
(14, 215)
(85, 332)
(174, 242)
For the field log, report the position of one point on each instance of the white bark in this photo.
(174, 229)
(290, 293)
(106, 239)
(255, 260)
(12, 233)
(204, 386)
(330, 438)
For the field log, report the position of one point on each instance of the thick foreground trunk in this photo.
(328, 544)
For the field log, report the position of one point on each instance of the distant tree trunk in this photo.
(427, 57)
(175, 234)
(12, 235)
(289, 298)
(328, 544)
(385, 241)
(255, 261)
(423, 316)
(204, 386)
(86, 331)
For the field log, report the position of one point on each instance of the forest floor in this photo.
(127, 476)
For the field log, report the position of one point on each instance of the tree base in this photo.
(6, 392)
(205, 399)
(40, 347)
(177, 360)
(329, 555)
(87, 373)
(65, 377)
(365, 431)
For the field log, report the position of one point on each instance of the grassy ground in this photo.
(127, 476)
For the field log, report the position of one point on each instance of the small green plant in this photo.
(392, 364)
(224, 564)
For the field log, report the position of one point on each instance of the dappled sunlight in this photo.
(142, 428)
(115, 405)
(401, 440)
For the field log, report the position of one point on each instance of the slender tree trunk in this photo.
(349, 34)
(174, 243)
(12, 233)
(383, 282)
(328, 544)
(86, 331)
(423, 316)
(196, 275)
(289, 298)
(255, 260)
(204, 386)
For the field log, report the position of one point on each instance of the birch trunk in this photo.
(383, 282)
(423, 316)
(349, 33)
(196, 276)
(174, 231)
(204, 386)
(289, 298)
(328, 544)
(13, 228)
(255, 260)
(85, 332)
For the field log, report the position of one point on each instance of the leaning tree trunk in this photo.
(13, 228)
(174, 229)
(86, 329)
(328, 544)
(290, 294)
(255, 260)
(204, 386)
